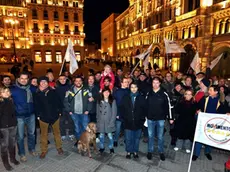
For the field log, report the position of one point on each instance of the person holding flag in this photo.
(210, 104)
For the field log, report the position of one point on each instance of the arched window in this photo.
(221, 27)
(227, 25)
(183, 33)
(189, 32)
(197, 31)
(76, 17)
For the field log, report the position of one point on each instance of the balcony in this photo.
(35, 17)
(66, 32)
(36, 30)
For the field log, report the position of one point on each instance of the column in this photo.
(217, 28)
(223, 27)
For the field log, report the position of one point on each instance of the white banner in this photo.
(213, 130)
(196, 63)
(173, 47)
(215, 61)
(70, 55)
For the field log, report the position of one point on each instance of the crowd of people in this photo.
(122, 103)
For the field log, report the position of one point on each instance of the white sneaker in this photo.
(176, 149)
(97, 140)
(188, 151)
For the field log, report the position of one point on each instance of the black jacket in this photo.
(159, 106)
(93, 92)
(69, 100)
(48, 105)
(144, 87)
(133, 116)
(7, 114)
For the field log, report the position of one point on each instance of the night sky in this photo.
(96, 11)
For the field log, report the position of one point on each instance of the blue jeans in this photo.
(198, 147)
(187, 144)
(159, 125)
(80, 122)
(30, 123)
(102, 140)
(132, 139)
(118, 130)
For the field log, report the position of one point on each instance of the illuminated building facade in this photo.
(197, 25)
(42, 29)
(108, 37)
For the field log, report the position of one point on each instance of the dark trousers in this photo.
(92, 117)
(132, 140)
(66, 125)
(8, 139)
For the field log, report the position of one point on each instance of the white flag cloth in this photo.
(215, 61)
(213, 130)
(70, 56)
(173, 47)
(196, 63)
(145, 56)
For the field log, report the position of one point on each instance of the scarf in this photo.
(133, 97)
(28, 91)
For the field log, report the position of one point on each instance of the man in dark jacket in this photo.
(118, 95)
(133, 109)
(22, 94)
(93, 96)
(143, 86)
(77, 105)
(48, 108)
(159, 108)
(66, 123)
(210, 104)
(118, 78)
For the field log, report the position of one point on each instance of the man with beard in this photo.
(77, 105)
(23, 100)
(66, 123)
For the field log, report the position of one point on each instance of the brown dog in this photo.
(87, 138)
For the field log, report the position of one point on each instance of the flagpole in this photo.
(62, 66)
(135, 68)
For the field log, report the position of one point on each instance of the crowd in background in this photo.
(129, 104)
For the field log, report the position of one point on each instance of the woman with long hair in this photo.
(106, 118)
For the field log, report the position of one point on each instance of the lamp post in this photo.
(12, 23)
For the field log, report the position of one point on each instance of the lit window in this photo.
(58, 57)
(48, 56)
(38, 57)
(20, 14)
(56, 28)
(78, 55)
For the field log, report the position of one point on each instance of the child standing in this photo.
(185, 123)
(106, 118)
(8, 128)
(107, 73)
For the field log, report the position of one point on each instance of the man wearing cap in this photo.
(48, 108)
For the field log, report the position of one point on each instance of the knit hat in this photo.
(43, 78)
(206, 82)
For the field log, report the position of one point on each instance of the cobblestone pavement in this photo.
(72, 161)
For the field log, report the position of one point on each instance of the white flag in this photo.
(70, 55)
(213, 130)
(215, 61)
(196, 63)
(145, 56)
(173, 47)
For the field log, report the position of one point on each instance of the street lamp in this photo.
(13, 22)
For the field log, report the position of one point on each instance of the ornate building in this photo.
(197, 25)
(40, 29)
(108, 37)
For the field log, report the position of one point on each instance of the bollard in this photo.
(227, 166)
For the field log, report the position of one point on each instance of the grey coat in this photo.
(106, 117)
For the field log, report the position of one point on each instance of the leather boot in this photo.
(5, 161)
(12, 157)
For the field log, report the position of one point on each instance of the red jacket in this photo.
(111, 75)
